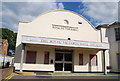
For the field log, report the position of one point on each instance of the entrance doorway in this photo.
(63, 60)
(118, 61)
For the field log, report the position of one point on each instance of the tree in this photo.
(10, 36)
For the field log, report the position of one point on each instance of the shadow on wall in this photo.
(18, 52)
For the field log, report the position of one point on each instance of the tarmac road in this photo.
(63, 77)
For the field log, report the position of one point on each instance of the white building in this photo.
(61, 41)
(113, 34)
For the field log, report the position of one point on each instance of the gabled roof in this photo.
(102, 26)
(108, 25)
(115, 23)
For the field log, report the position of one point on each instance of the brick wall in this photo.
(4, 46)
(7, 71)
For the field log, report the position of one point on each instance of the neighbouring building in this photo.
(3, 46)
(113, 34)
(61, 41)
(4, 58)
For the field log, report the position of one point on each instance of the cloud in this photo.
(119, 11)
(13, 12)
(101, 12)
(100, 0)
(96, 12)
(60, 6)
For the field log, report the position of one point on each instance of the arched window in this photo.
(66, 21)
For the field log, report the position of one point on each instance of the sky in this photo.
(96, 12)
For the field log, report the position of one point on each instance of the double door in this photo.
(63, 61)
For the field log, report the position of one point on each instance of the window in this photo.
(117, 33)
(46, 57)
(80, 59)
(31, 57)
(79, 22)
(66, 21)
(93, 60)
(69, 38)
(118, 60)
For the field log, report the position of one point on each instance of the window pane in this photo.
(58, 66)
(46, 57)
(80, 59)
(31, 57)
(93, 60)
(68, 57)
(68, 67)
(59, 57)
(117, 33)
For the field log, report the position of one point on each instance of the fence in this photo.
(6, 61)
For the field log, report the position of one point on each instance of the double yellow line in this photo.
(67, 75)
(9, 77)
(12, 75)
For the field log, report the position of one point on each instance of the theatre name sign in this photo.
(61, 27)
(62, 42)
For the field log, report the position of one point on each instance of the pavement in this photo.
(50, 76)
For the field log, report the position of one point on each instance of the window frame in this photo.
(46, 59)
(95, 61)
(27, 61)
(117, 34)
(81, 59)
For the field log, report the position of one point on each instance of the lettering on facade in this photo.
(65, 27)
(39, 40)
(70, 43)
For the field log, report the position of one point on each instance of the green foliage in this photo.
(0, 33)
(10, 36)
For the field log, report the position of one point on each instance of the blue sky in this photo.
(95, 12)
(76, 7)
(80, 8)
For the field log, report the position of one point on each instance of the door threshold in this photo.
(62, 72)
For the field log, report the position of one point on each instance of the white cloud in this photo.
(119, 11)
(100, 0)
(28, 0)
(101, 12)
(61, 6)
(12, 12)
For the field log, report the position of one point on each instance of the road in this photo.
(63, 77)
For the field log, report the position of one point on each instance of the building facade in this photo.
(3, 46)
(113, 34)
(61, 41)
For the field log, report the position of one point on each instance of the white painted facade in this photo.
(114, 47)
(84, 39)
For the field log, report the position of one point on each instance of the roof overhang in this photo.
(63, 42)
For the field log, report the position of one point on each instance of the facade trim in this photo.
(63, 42)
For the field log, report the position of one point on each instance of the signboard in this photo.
(63, 42)
(61, 27)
